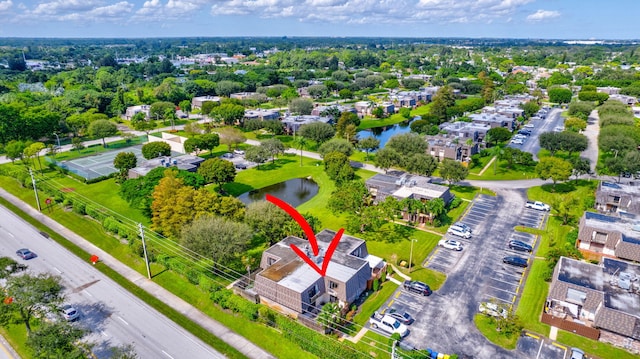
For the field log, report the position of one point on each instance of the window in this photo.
(576, 296)
(333, 285)
(271, 261)
(313, 291)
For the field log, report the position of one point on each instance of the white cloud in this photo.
(541, 15)
(5, 5)
(58, 7)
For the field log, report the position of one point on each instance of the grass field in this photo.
(486, 325)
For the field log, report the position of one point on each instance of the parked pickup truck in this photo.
(538, 205)
(388, 324)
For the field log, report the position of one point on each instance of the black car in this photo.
(241, 166)
(524, 132)
(515, 261)
(403, 317)
(417, 287)
(24, 253)
(520, 246)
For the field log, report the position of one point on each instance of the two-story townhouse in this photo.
(603, 235)
(618, 197)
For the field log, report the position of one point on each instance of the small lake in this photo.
(294, 191)
(385, 133)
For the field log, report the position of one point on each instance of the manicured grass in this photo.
(422, 110)
(592, 347)
(517, 172)
(533, 297)
(371, 122)
(374, 344)
(373, 303)
(469, 192)
(98, 148)
(486, 325)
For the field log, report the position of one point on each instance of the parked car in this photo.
(520, 246)
(515, 261)
(388, 324)
(493, 309)
(517, 141)
(402, 316)
(69, 313)
(459, 232)
(537, 205)
(450, 244)
(524, 132)
(529, 125)
(577, 353)
(463, 226)
(241, 166)
(417, 287)
(238, 152)
(25, 253)
(520, 137)
(227, 155)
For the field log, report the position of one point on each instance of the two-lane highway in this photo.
(113, 315)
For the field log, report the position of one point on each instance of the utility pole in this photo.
(411, 254)
(35, 189)
(144, 250)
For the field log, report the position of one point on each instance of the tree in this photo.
(386, 158)
(33, 150)
(125, 351)
(140, 122)
(550, 141)
(421, 163)
(329, 315)
(14, 150)
(209, 141)
(350, 197)
(217, 170)
(346, 118)
(564, 206)
(377, 112)
(300, 143)
(317, 131)
(498, 134)
(34, 294)
(555, 168)
(231, 137)
(125, 161)
(274, 146)
(407, 144)
(217, 238)
(229, 113)
(336, 145)
(405, 112)
(58, 340)
(560, 95)
(453, 171)
(301, 106)
(159, 109)
(581, 166)
(442, 101)
(338, 168)
(368, 144)
(573, 142)
(575, 124)
(101, 129)
(259, 154)
(436, 208)
(77, 144)
(267, 220)
(155, 149)
(193, 144)
(530, 108)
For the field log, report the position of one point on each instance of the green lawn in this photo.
(371, 122)
(501, 172)
(486, 325)
(374, 344)
(534, 294)
(373, 303)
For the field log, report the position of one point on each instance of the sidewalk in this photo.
(235, 340)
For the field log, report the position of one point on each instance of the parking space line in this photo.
(502, 290)
(500, 299)
(559, 345)
(532, 335)
(540, 349)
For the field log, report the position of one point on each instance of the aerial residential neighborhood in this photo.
(318, 193)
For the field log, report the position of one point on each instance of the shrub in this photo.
(193, 276)
(79, 207)
(242, 306)
(376, 285)
(266, 316)
(111, 224)
(455, 203)
(220, 297)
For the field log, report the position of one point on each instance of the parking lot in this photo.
(444, 320)
(534, 347)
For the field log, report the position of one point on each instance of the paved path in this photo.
(592, 131)
(235, 340)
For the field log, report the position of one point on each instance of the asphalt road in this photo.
(113, 315)
(532, 145)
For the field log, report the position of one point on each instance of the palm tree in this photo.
(436, 207)
(301, 142)
(329, 315)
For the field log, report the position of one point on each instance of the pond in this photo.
(385, 133)
(294, 191)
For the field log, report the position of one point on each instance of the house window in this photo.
(333, 285)
(576, 296)
(271, 261)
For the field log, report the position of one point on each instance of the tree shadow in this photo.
(462, 189)
(564, 187)
(236, 188)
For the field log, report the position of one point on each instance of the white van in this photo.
(459, 231)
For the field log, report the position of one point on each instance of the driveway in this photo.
(444, 320)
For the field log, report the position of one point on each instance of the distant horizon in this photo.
(499, 19)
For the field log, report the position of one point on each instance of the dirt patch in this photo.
(68, 189)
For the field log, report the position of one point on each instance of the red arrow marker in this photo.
(310, 236)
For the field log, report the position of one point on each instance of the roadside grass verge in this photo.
(593, 347)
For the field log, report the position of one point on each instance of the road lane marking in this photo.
(104, 334)
(167, 354)
(87, 293)
(57, 270)
(124, 321)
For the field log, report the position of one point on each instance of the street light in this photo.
(57, 138)
(411, 254)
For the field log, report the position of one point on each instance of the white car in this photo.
(520, 137)
(493, 310)
(450, 244)
(517, 141)
(529, 125)
(460, 233)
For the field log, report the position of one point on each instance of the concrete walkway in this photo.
(592, 131)
(235, 340)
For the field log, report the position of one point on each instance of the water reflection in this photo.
(294, 191)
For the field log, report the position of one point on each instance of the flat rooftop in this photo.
(616, 188)
(628, 226)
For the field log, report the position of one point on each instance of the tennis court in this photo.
(99, 165)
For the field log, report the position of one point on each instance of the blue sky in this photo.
(552, 19)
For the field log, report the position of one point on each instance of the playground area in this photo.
(99, 165)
